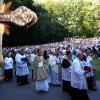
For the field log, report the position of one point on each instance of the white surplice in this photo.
(53, 72)
(42, 85)
(21, 67)
(77, 75)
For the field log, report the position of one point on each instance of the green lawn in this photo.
(96, 64)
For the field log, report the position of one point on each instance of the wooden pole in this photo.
(1, 56)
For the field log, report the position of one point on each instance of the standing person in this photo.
(89, 74)
(8, 67)
(54, 68)
(78, 81)
(46, 60)
(66, 73)
(31, 61)
(40, 75)
(21, 68)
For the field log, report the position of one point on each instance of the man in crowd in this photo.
(78, 80)
(21, 68)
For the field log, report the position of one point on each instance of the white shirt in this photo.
(8, 63)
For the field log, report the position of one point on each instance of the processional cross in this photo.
(22, 16)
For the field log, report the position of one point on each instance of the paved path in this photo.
(95, 95)
(10, 91)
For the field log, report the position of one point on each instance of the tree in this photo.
(58, 20)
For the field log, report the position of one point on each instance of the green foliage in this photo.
(96, 64)
(27, 3)
(57, 20)
(75, 15)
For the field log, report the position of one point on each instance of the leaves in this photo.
(57, 20)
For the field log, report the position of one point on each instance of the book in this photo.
(25, 59)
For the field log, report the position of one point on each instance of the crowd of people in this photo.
(67, 64)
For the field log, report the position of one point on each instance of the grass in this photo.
(96, 64)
